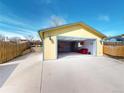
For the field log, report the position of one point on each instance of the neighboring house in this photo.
(119, 38)
(71, 38)
(114, 46)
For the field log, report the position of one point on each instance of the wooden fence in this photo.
(9, 50)
(114, 49)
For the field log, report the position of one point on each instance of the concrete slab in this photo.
(69, 74)
(83, 74)
(22, 75)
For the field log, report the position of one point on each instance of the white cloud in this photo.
(14, 25)
(112, 33)
(57, 20)
(104, 18)
(19, 34)
(11, 34)
(7, 16)
(53, 21)
(12, 21)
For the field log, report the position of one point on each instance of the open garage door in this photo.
(76, 45)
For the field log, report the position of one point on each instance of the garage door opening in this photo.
(75, 46)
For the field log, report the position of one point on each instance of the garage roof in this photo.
(94, 31)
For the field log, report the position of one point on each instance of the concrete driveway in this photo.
(22, 75)
(83, 74)
(69, 74)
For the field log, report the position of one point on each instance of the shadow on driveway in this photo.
(5, 72)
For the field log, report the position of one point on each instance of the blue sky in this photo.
(26, 17)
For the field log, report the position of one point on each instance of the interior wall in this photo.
(64, 46)
(94, 47)
(67, 46)
(90, 45)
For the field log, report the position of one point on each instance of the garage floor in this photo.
(83, 74)
(71, 54)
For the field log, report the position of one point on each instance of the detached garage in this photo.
(77, 38)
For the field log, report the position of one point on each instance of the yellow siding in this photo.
(50, 46)
(99, 48)
(50, 51)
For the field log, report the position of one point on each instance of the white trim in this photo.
(43, 49)
(95, 42)
(56, 47)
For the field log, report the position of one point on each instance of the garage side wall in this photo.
(50, 48)
(99, 47)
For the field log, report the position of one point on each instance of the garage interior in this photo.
(75, 46)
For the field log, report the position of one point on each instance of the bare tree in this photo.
(2, 37)
(29, 37)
